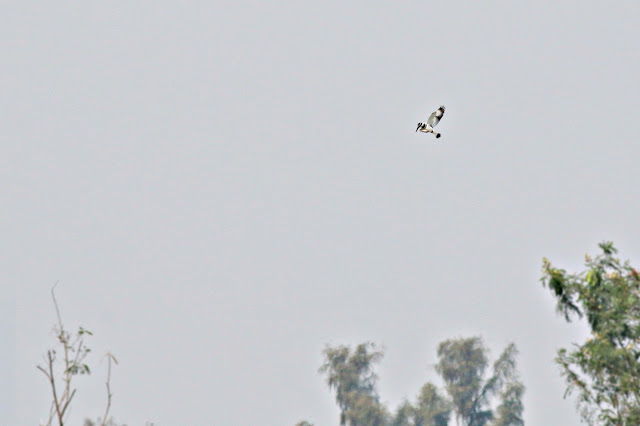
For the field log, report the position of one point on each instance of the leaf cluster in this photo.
(605, 369)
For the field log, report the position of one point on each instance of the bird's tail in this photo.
(437, 135)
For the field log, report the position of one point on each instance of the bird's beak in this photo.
(419, 124)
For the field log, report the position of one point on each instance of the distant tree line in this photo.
(468, 392)
(604, 370)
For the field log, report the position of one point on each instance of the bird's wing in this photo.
(436, 116)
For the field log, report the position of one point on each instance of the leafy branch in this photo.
(73, 351)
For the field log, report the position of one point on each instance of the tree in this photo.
(432, 409)
(462, 367)
(604, 370)
(404, 415)
(73, 351)
(509, 412)
(351, 375)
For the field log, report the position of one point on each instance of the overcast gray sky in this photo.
(222, 188)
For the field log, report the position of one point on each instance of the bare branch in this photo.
(66, 405)
(109, 357)
(64, 339)
(51, 414)
(44, 371)
(55, 303)
(56, 402)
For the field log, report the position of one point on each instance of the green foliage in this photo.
(404, 415)
(73, 351)
(509, 412)
(462, 365)
(432, 409)
(353, 378)
(604, 370)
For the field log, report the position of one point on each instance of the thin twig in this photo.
(53, 388)
(64, 409)
(52, 409)
(51, 413)
(55, 303)
(64, 339)
(110, 357)
(44, 371)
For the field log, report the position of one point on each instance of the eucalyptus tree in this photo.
(509, 412)
(352, 376)
(604, 370)
(432, 409)
(462, 366)
(404, 415)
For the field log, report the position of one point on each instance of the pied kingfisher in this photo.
(432, 121)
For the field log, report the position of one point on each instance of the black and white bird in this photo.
(432, 121)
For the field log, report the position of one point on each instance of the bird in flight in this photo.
(432, 121)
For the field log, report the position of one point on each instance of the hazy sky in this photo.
(222, 188)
